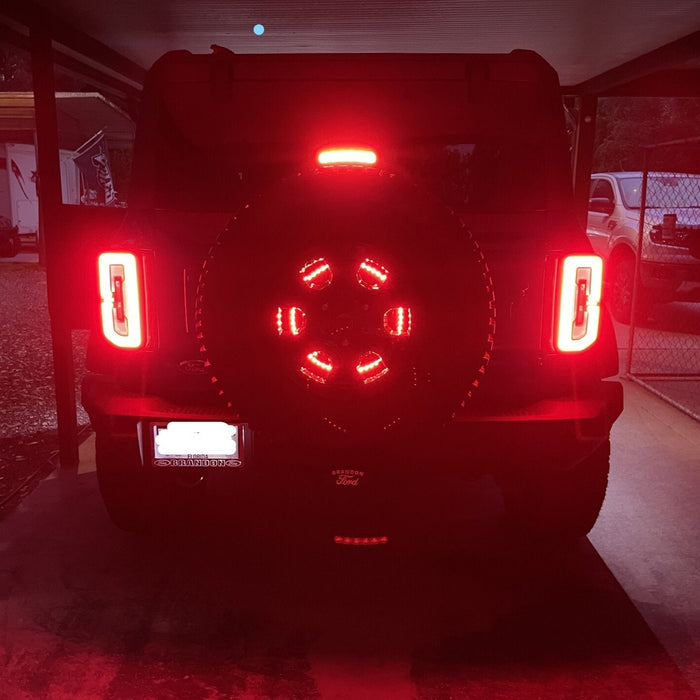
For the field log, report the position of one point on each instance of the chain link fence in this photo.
(664, 341)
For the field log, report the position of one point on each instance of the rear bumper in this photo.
(549, 434)
(553, 434)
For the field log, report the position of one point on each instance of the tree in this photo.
(15, 69)
(626, 125)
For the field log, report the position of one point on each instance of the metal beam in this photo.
(49, 169)
(105, 82)
(670, 56)
(33, 16)
(663, 83)
(583, 154)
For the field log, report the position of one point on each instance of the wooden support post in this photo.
(583, 154)
(48, 167)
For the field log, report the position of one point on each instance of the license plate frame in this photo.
(197, 444)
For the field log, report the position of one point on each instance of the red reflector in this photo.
(316, 274)
(317, 366)
(290, 320)
(580, 289)
(371, 274)
(120, 305)
(119, 315)
(360, 541)
(347, 156)
(371, 367)
(397, 321)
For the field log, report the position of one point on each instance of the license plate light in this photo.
(197, 444)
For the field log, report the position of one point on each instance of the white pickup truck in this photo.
(670, 245)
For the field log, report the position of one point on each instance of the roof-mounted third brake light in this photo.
(347, 156)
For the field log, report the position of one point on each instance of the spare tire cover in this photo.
(426, 267)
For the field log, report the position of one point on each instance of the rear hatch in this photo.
(484, 134)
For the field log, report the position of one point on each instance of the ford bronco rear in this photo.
(347, 268)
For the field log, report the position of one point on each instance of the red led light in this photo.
(316, 274)
(317, 366)
(371, 274)
(347, 156)
(290, 320)
(120, 292)
(580, 288)
(398, 321)
(371, 367)
(360, 541)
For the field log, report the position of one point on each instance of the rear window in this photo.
(478, 177)
(482, 176)
(214, 147)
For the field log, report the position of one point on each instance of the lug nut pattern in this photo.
(317, 365)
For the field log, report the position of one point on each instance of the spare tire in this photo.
(345, 298)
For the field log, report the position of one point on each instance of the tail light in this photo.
(120, 305)
(580, 290)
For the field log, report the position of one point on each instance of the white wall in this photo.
(21, 165)
(5, 201)
(18, 198)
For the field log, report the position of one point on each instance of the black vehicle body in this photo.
(228, 205)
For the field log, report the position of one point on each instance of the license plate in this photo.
(197, 444)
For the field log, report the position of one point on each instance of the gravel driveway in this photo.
(27, 398)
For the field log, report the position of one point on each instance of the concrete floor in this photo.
(648, 530)
(226, 609)
(24, 257)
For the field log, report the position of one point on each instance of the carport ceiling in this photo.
(582, 39)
